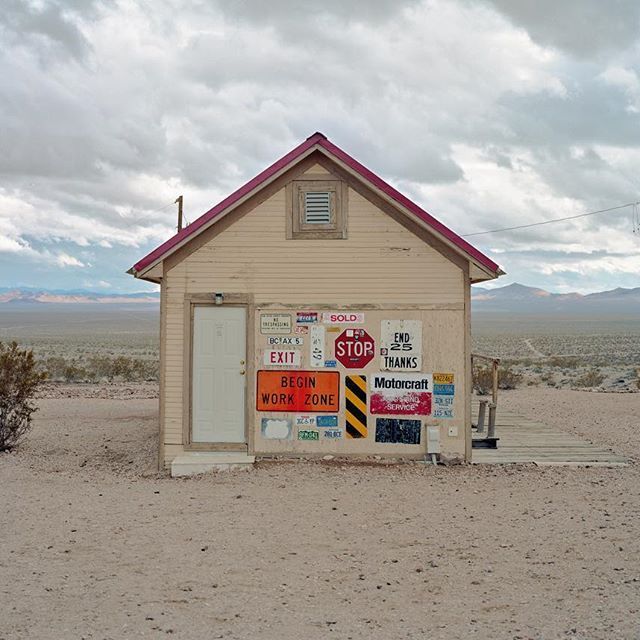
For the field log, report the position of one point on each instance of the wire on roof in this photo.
(580, 215)
(166, 206)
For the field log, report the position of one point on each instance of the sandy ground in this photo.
(94, 544)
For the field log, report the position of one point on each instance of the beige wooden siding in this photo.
(315, 169)
(381, 262)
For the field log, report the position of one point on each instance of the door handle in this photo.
(242, 372)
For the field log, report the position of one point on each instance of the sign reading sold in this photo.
(355, 348)
(342, 317)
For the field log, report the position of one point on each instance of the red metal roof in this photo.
(319, 140)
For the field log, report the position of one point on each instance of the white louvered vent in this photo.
(317, 207)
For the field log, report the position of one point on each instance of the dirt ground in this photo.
(94, 544)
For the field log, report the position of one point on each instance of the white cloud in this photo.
(10, 245)
(488, 112)
(65, 260)
(605, 264)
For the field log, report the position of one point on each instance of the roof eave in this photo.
(492, 270)
(138, 271)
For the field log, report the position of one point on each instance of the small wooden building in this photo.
(314, 311)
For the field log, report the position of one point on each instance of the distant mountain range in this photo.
(512, 299)
(520, 299)
(77, 296)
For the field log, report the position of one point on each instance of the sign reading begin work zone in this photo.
(298, 391)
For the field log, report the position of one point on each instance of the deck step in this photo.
(196, 462)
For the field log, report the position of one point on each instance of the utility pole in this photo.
(179, 201)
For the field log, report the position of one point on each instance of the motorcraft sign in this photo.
(401, 393)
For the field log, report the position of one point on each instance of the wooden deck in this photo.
(524, 440)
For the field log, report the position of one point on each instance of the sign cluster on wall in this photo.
(388, 404)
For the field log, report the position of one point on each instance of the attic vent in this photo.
(317, 207)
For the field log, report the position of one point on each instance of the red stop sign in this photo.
(355, 348)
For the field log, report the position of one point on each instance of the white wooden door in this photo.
(218, 382)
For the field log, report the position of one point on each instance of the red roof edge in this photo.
(386, 188)
(322, 141)
(160, 251)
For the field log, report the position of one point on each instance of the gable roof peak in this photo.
(320, 142)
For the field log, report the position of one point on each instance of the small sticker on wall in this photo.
(316, 345)
(291, 341)
(443, 378)
(330, 364)
(302, 329)
(327, 421)
(277, 358)
(274, 323)
(443, 389)
(397, 431)
(442, 406)
(306, 317)
(332, 434)
(305, 421)
(308, 434)
(276, 429)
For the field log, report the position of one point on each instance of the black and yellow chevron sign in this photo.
(356, 406)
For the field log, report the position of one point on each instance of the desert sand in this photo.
(96, 544)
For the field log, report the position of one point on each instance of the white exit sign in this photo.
(281, 358)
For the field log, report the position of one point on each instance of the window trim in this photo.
(297, 228)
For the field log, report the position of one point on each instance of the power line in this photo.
(166, 206)
(537, 224)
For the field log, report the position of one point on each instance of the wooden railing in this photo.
(493, 405)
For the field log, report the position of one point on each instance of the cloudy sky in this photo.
(488, 113)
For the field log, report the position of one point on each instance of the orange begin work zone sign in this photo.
(298, 391)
